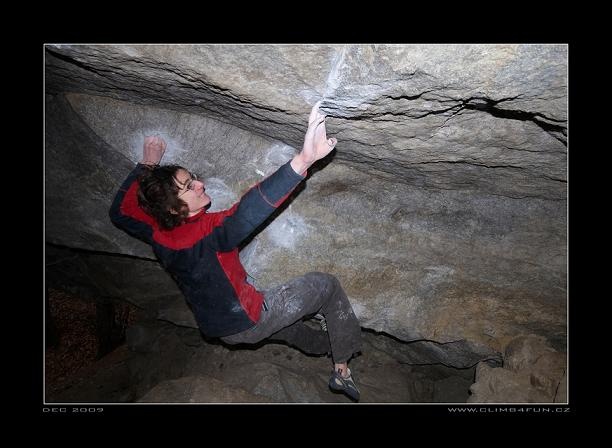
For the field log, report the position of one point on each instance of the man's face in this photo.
(191, 191)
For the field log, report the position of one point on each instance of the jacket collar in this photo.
(196, 216)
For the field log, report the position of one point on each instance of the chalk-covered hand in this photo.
(316, 144)
(153, 150)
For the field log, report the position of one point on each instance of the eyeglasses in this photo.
(190, 185)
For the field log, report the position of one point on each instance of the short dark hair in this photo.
(158, 196)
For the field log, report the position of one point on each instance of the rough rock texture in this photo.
(533, 372)
(198, 389)
(443, 211)
(162, 363)
(478, 117)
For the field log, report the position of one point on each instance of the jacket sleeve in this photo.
(125, 212)
(254, 208)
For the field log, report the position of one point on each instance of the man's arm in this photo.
(263, 199)
(125, 212)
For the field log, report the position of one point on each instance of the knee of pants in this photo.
(324, 278)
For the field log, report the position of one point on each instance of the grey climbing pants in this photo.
(299, 298)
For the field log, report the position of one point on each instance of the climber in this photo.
(166, 206)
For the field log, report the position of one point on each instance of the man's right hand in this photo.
(316, 144)
(153, 150)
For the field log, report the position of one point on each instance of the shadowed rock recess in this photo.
(443, 211)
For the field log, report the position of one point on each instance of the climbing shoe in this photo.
(322, 321)
(338, 383)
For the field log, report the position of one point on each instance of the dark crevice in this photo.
(557, 388)
(408, 97)
(77, 250)
(69, 60)
(490, 106)
(495, 359)
(111, 325)
(482, 104)
(494, 362)
(396, 339)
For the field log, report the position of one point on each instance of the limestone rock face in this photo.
(533, 372)
(478, 117)
(442, 212)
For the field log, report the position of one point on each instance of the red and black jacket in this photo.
(202, 253)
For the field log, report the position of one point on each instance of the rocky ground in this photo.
(165, 363)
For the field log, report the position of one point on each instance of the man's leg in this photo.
(300, 335)
(302, 296)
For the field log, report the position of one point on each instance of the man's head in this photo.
(170, 194)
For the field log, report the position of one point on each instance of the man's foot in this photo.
(339, 383)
